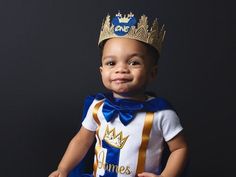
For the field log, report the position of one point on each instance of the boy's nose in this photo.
(122, 69)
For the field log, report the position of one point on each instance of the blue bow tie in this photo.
(125, 109)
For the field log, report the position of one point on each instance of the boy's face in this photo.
(126, 67)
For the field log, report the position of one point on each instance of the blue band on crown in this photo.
(122, 26)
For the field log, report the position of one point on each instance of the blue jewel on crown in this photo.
(122, 25)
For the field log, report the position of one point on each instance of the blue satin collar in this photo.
(126, 109)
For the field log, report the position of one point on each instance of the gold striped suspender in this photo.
(98, 147)
(145, 139)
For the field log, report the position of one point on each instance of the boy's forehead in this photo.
(125, 45)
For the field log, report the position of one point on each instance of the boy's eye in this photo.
(110, 63)
(134, 62)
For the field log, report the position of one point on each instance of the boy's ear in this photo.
(100, 68)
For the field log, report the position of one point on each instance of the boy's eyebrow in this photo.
(108, 57)
(137, 54)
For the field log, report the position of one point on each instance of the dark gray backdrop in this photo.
(49, 63)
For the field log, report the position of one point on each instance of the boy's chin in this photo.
(129, 94)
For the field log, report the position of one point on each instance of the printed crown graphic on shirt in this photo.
(113, 139)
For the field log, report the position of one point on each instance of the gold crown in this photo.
(126, 27)
(115, 140)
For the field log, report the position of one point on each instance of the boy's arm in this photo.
(178, 156)
(76, 150)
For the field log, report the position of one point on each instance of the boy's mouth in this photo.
(121, 80)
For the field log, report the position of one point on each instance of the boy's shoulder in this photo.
(90, 99)
(157, 103)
